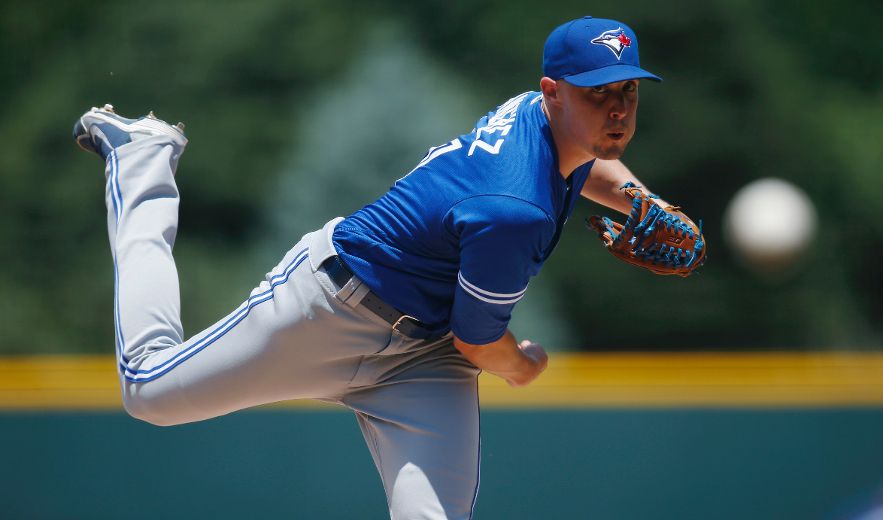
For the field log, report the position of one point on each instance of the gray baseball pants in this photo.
(297, 336)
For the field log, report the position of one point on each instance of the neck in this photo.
(570, 156)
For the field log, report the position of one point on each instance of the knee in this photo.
(149, 409)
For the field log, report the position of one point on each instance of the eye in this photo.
(630, 86)
(601, 89)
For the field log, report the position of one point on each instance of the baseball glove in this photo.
(663, 240)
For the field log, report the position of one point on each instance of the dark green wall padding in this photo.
(570, 464)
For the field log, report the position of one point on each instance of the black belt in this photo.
(404, 324)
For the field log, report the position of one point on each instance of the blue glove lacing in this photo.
(659, 254)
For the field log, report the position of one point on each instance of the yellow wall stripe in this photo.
(572, 381)
(700, 380)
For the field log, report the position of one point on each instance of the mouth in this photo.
(616, 136)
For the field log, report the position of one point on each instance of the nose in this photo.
(617, 106)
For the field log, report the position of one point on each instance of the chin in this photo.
(609, 152)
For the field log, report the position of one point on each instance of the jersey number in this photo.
(435, 152)
(490, 148)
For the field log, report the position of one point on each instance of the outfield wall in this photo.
(780, 436)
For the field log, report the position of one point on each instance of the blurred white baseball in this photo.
(769, 222)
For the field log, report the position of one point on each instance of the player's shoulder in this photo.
(509, 144)
(518, 103)
(515, 111)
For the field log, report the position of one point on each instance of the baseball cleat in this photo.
(101, 130)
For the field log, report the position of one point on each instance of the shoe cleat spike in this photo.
(151, 115)
(108, 107)
(180, 126)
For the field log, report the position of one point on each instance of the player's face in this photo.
(601, 120)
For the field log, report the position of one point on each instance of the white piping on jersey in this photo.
(488, 296)
(534, 100)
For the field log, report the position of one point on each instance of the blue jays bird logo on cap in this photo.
(615, 40)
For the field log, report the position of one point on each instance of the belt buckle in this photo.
(395, 326)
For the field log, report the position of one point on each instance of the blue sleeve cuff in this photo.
(476, 321)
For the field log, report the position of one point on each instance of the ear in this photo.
(550, 91)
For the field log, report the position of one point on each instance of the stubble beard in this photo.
(609, 152)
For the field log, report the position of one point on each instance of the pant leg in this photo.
(142, 219)
(421, 423)
(290, 339)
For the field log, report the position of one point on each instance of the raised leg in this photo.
(290, 339)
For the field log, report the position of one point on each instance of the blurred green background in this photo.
(301, 111)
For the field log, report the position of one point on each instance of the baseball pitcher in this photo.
(394, 310)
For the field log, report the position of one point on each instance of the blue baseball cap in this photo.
(588, 52)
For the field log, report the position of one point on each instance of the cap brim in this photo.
(611, 74)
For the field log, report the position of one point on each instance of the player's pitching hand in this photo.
(539, 360)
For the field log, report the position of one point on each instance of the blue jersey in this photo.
(455, 242)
